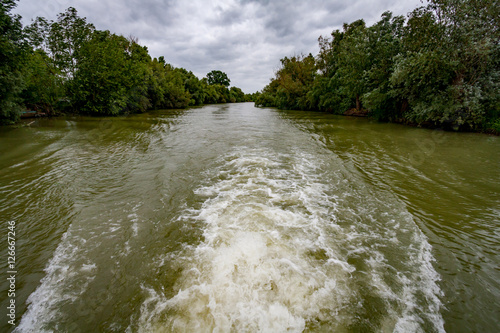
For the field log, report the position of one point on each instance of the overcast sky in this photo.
(243, 38)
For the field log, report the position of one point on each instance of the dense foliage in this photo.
(12, 58)
(438, 67)
(68, 65)
(218, 77)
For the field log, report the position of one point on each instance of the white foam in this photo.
(44, 302)
(275, 251)
(254, 270)
(74, 266)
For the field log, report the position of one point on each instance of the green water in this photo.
(233, 218)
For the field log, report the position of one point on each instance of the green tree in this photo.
(343, 62)
(440, 68)
(236, 95)
(384, 46)
(92, 72)
(218, 77)
(210, 93)
(156, 83)
(222, 93)
(12, 59)
(58, 44)
(449, 72)
(267, 97)
(66, 37)
(294, 81)
(472, 31)
(112, 76)
(193, 85)
(176, 96)
(61, 39)
(168, 86)
(327, 93)
(252, 97)
(44, 90)
(354, 60)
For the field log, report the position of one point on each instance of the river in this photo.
(235, 218)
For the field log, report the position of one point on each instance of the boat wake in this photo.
(293, 243)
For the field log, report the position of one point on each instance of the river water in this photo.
(234, 218)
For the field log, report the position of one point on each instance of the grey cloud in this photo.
(226, 17)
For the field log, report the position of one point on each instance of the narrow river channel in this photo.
(231, 218)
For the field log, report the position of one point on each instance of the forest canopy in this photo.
(438, 67)
(67, 65)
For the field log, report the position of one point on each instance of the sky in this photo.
(243, 38)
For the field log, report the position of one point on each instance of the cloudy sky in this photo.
(243, 38)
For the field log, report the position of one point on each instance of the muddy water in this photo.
(233, 218)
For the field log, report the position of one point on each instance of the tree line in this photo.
(67, 65)
(438, 67)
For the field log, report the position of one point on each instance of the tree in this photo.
(176, 96)
(449, 71)
(384, 46)
(56, 58)
(68, 63)
(218, 77)
(268, 95)
(292, 86)
(295, 78)
(354, 60)
(44, 89)
(327, 92)
(111, 77)
(236, 95)
(193, 85)
(66, 37)
(12, 58)
(438, 68)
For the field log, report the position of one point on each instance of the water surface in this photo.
(233, 218)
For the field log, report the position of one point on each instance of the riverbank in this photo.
(448, 126)
(395, 69)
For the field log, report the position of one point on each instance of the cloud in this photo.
(243, 38)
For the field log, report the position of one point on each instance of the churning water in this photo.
(235, 219)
